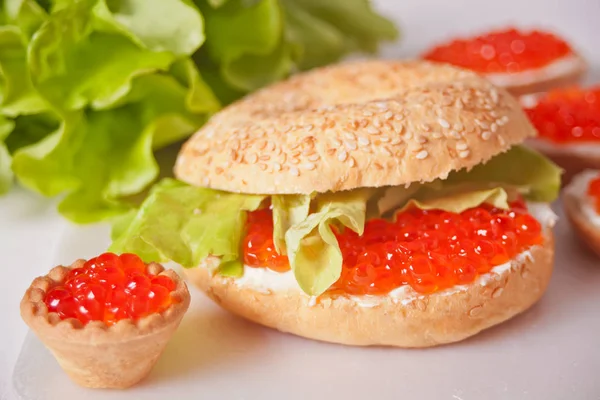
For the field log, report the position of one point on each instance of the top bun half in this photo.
(352, 125)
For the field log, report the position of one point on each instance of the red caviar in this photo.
(110, 288)
(428, 250)
(508, 51)
(568, 115)
(259, 248)
(594, 192)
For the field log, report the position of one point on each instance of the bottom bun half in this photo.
(424, 321)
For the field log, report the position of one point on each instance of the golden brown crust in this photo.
(570, 160)
(545, 83)
(361, 124)
(96, 355)
(583, 227)
(426, 321)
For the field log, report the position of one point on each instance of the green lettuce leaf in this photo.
(72, 64)
(313, 250)
(18, 95)
(323, 31)
(288, 211)
(537, 178)
(186, 224)
(101, 156)
(246, 42)
(519, 169)
(6, 175)
(458, 200)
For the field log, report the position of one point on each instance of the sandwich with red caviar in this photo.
(523, 62)
(568, 123)
(581, 201)
(367, 203)
(106, 320)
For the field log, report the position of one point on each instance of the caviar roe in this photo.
(568, 115)
(428, 250)
(110, 288)
(594, 192)
(508, 51)
(259, 248)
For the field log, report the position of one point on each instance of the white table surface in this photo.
(30, 226)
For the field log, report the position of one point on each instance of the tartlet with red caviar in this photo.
(568, 122)
(521, 61)
(106, 320)
(366, 203)
(581, 200)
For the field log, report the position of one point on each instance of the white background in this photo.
(30, 227)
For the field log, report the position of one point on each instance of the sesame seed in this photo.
(363, 141)
(461, 146)
(421, 139)
(276, 167)
(350, 144)
(262, 144)
(294, 171)
(373, 131)
(314, 157)
(381, 105)
(205, 181)
(422, 154)
(464, 154)
(482, 124)
(386, 151)
(384, 139)
(388, 115)
(349, 136)
(367, 113)
(252, 158)
(494, 127)
(501, 141)
(396, 141)
(436, 135)
(494, 95)
(308, 127)
(352, 162)
(262, 166)
(486, 135)
(342, 155)
(443, 123)
(308, 166)
(455, 135)
(264, 157)
(336, 143)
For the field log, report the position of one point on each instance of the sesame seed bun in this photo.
(360, 124)
(426, 321)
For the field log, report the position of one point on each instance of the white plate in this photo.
(550, 352)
